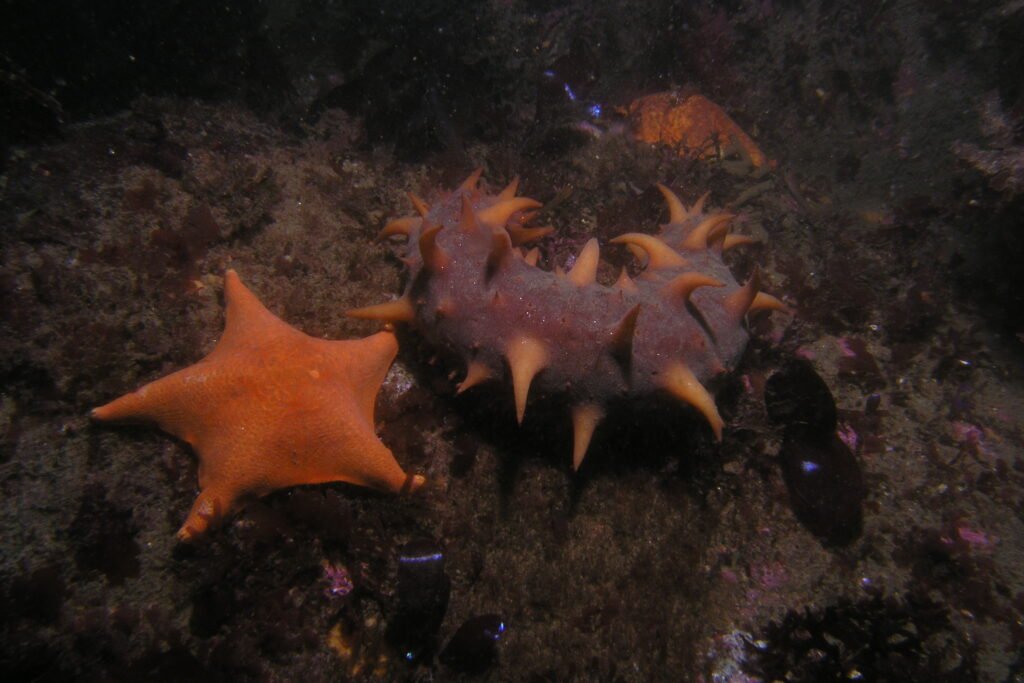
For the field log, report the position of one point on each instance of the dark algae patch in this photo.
(875, 639)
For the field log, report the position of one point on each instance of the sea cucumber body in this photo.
(462, 312)
(474, 293)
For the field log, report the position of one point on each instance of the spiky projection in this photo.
(474, 291)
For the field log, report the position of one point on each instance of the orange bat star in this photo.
(269, 408)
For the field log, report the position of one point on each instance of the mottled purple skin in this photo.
(458, 309)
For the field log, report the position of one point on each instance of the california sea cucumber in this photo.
(474, 292)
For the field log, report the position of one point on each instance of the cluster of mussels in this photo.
(476, 292)
(422, 601)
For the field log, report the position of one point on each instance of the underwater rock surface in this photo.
(897, 249)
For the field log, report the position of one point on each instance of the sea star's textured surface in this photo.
(271, 407)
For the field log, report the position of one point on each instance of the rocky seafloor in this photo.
(861, 519)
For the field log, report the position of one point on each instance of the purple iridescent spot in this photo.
(338, 579)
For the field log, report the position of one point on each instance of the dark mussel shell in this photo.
(422, 599)
(825, 483)
(473, 648)
(797, 395)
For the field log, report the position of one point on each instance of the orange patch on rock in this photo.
(693, 125)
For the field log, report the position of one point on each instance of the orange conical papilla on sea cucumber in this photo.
(476, 291)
